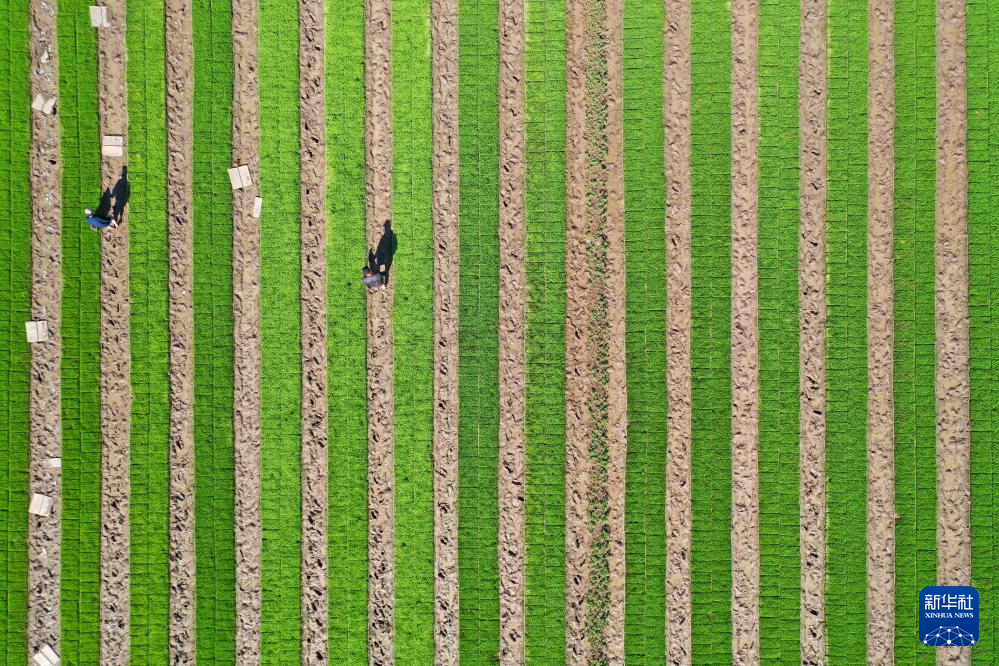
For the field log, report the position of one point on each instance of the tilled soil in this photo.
(180, 211)
(46, 302)
(812, 286)
(116, 391)
(246, 325)
(678, 319)
(444, 34)
(880, 337)
(745, 334)
(315, 399)
(953, 382)
(512, 324)
(381, 433)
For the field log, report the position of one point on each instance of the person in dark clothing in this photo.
(98, 223)
(372, 280)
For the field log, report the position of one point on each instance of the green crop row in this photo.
(983, 225)
(545, 388)
(711, 454)
(348, 399)
(846, 363)
(915, 422)
(148, 257)
(81, 269)
(280, 331)
(15, 309)
(778, 288)
(413, 324)
(645, 201)
(478, 435)
(213, 333)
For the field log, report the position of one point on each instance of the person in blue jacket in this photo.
(98, 223)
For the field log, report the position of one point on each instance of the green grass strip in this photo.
(915, 408)
(148, 257)
(545, 392)
(15, 309)
(348, 400)
(280, 331)
(213, 334)
(711, 149)
(413, 324)
(81, 266)
(645, 200)
(846, 356)
(983, 224)
(780, 571)
(478, 302)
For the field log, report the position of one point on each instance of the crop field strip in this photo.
(150, 336)
(915, 421)
(215, 597)
(983, 251)
(544, 587)
(81, 438)
(412, 322)
(846, 341)
(348, 486)
(478, 430)
(15, 308)
(780, 571)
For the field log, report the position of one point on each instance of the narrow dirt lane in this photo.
(881, 335)
(812, 113)
(246, 330)
(444, 36)
(381, 432)
(953, 382)
(745, 334)
(678, 319)
(116, 366)
(180, 211)
(315, 398)
(512, 324)
(44, 534)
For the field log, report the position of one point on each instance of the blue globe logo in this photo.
(949, 636)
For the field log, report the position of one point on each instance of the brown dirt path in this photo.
(381, 429)
(812, 92)
(953, 382)
(880, 335)
(315, 400)
(45, 441)
(180, 211)
(678, 318)
(512, 324)
(246, 324)
(745, 334)
(116, 390)
(444, 35)
(578, 354)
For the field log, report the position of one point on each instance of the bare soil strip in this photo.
(381, 429)
(745, 334)
(813, 94)
(180, 211)
(512, 324)
(881, 335)
(44, 534)
(953, 383)
(246, 330)
(678, 317)
(579, 355)
(116, 391)
(315, 399)
(444, 37)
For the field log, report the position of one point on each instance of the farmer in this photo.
(372, 280)
(100, 223)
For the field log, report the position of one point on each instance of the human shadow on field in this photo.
(114, 200)
(384, 252)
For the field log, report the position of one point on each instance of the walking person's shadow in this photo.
(384, 252)
(114, 200)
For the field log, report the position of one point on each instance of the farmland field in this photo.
(687, 351)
